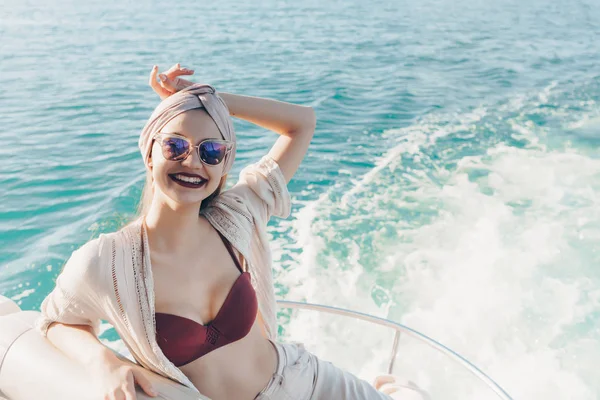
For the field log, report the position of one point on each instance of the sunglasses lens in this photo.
(212, 153)
(174, 148)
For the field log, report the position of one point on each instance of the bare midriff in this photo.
(238, 371)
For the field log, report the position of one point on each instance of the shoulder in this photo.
(229, 214)
(91, 259)
(260, 192)
(88, 254)
(98, 249)
(233, 204)
(82, 266)
(265, 168)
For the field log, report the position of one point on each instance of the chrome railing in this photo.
(399, 328)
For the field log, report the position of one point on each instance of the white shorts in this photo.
(300, 375)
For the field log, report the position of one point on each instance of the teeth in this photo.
(189, 179)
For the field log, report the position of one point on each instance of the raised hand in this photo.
(169, 82)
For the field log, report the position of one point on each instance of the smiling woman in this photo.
(188, 285)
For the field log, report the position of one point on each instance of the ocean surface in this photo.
(453, 183)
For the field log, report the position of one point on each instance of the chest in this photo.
(194, 285)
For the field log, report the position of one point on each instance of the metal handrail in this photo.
(501, 393)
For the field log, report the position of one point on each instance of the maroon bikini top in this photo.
(183, 340)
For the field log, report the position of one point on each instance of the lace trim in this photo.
(115, 283)
(247, 216)
(147, 305)
(220, 221)
(141, 288)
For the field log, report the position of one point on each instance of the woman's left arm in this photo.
(295, 123)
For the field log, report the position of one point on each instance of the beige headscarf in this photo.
(193, 97)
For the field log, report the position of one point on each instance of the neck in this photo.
(171, 227)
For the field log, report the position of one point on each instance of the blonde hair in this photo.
(148, 194)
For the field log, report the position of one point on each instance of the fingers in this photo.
(399, 388)
(117, 395)
(173, 85)
(145, 383)
(172, 82)
(176, 71)
(181, 84)
(174, 68)
(389, 389)
(175, 80)
(167, 84)
(129, 387)
(383, 379)
(129, 393)
(169, 81)
(161, 91)
(386, 384)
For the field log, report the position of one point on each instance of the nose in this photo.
(193, 160)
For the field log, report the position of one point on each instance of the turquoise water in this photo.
(453, 183)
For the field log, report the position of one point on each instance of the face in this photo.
(196, 125)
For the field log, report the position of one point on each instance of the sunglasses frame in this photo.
(228, 144)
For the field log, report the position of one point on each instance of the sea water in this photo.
(453, 183)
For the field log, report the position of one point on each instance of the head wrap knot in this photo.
(193, 97)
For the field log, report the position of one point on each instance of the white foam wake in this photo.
(486, 242)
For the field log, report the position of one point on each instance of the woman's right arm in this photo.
(70, 319)
(79, 343)
(115, 379)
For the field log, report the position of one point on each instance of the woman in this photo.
(188, 284)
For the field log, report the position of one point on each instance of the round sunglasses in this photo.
(177, 148)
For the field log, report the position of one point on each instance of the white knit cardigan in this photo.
(105, 279)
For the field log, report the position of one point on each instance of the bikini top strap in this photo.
(231, 252)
